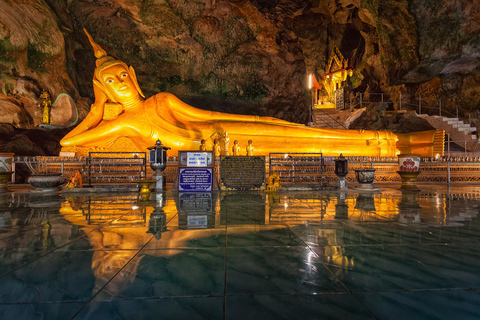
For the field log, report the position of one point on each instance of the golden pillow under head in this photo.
(112, 110)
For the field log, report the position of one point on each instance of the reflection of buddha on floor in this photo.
(122, 119)
(115, 248)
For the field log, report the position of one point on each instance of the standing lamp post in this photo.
(158, 163)
(341, 170)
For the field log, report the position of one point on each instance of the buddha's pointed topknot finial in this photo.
(98, 51)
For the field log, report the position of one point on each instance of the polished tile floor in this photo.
(296, 255)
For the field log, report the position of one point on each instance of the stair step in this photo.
(447, 119)
(455, 122)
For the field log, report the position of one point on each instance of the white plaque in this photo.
(197, 221)
(197, 159)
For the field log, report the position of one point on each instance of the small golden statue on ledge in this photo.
(203, 145)
(47, 107)
(217, 150)
(226, 142)
(236, 148)
(249, 148)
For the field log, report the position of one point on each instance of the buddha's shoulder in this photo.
(162, 96)
(160, 100)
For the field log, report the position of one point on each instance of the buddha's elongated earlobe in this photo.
(102, 88)
(134, 77)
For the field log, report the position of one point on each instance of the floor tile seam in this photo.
(358, 229)
(295, 293)
(43, 302)
(206, 296)
(109, 280)
(434, 269)
(260, 226)
(356, 295)
(55, 250)
(412, 290)
(269, 246)
(27, 230)
(215, 296)
(100, 250)
(164, 227)
(49, 252)
(224, 302)
(348, 290)
(348, 245)
(436, 234)
(320, 260)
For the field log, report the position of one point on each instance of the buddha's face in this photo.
(119, 84)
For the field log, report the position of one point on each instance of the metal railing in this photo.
(398, 103)
(331, 118)
(456, 168)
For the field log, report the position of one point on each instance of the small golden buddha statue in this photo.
(226, 142)
(217, 150)
(46, 107)
(249, 148)
(203, 145)
(142, 121)
(236, 148)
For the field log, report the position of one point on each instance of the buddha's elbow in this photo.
(65, 142)
(68, 141)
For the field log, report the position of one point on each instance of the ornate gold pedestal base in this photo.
(409, 180)
(4, 176)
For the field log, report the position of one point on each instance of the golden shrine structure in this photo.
(337, 71)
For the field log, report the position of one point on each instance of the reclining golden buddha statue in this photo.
(121, 119)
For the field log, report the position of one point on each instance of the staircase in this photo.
(328, 118)
(460, 133)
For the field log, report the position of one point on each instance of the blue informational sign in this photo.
(195, 179)
(195, 202)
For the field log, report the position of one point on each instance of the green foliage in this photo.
(255, 89)
(162, 18)
(36, 59)
(7, 50)
(474, 41)
(188, 10)
(356, 78)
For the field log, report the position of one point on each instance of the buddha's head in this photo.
(114, 77)
(118, 83)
